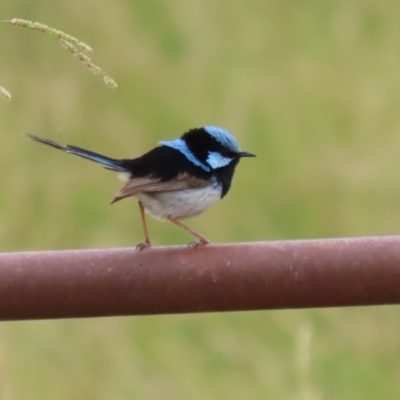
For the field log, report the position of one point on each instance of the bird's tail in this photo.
(107, 162)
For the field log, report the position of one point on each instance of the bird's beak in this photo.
(246, 154)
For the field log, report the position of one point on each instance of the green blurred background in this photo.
(312, 87)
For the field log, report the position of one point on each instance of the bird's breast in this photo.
(180, 204)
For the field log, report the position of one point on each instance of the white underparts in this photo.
(180, 204)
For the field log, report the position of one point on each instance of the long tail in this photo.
(109, 163)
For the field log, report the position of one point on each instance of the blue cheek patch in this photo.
(181, 146)
(216, 160)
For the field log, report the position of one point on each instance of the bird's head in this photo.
(209, 147)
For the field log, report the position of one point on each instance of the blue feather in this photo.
(108, 162)
(217, 160)
(223, 137)
(181, 146)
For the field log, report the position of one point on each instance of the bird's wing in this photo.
(151, 185)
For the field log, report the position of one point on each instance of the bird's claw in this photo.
(199, 243)
(142, 246)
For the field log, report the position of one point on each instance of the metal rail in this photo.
(228, 277)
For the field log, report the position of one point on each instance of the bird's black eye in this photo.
(228, 153)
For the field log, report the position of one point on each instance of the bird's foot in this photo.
(142, 246)
(199, 243)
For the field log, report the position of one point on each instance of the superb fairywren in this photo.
(178, 179)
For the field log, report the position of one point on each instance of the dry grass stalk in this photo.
(79, 49)
(5, 94)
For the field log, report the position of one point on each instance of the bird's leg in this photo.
(202, 239)
(147, 242)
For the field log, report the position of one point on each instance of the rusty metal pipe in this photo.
(228, 277)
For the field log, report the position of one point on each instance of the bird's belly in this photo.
(180, 204)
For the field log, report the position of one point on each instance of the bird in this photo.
(176, 180)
